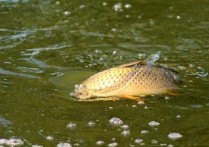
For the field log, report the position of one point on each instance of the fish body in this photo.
(128, 80)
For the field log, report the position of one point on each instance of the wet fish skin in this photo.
(132, 79)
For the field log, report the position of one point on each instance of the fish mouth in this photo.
(79, 95)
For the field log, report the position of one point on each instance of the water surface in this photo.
(46, 47)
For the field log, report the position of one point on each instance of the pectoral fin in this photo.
(99, 99)
(138, 99)
(171, 92)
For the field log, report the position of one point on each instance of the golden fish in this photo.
(130, 81)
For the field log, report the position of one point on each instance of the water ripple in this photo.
(35, 51)
(4, 121)
(11, 73)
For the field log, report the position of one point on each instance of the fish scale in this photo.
(107, 78)
(132, 79)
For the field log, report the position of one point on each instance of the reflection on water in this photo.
(49, 46)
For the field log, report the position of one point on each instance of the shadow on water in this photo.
(68, 80)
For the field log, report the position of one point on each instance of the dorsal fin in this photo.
(131, 64)
(152, 58)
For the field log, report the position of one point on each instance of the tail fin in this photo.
(175, 75)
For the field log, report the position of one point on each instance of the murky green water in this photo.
(48, 46)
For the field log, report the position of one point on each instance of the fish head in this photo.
(81, 91)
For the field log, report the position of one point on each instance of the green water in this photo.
(46, 47)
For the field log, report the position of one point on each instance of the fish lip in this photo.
(73, 94)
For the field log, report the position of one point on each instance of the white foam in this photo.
(117, 7)
(174, 135)
(115, 121)
(144, 132)
(100, 143)
(71, 125)
(3, 141)
(36, 145)
(114, 144)
(154, 141)
(126, 133)
(66, 13)
(138, 140)
(61, 144)
(50, 138)
(91, 124)
(125, 127)
(14, 142)
(154, 123)
(127, 6)
(178, 116)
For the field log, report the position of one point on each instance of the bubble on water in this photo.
(13, 141)
(165, 58)
(145, 107)
(104, 3)
(191, 65)
(81, 6)
(91, 124)
(141, 102)
(125, 127)
(138, 140)
(115, 121)
(62, 144)
(57, 2)
(100, 142)
(154, 141)
(118, 7)
(114, 144)
(163, 144)
(154, 123)
(126, 133)
(114, 52)
(196, 106)
(167, 97)
(97, 51)
(66, 13)
(71, 125)
(50, 138)
(3, 141)
(170, 145)
(127, 16)
(114, 30)
(110, 108)
(178, 17)
(139, 17)
(151, 21)
(36, 145)
(127, 6)
(174, 135)
(76, 144)
(144, 132)
(200, 68)
(134, 106)
(7, 62)
(178, 116)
